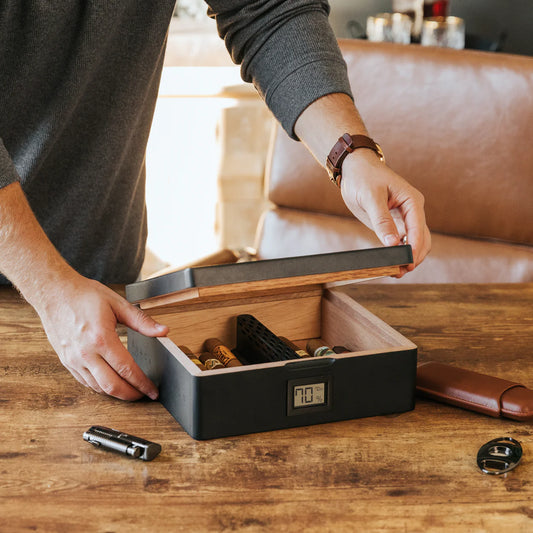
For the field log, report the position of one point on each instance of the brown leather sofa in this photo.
(459, 126)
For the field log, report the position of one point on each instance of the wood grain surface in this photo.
(265, 286)
(414, 472)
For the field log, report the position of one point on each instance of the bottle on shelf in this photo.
(436, 8)
(418, 10)
(415, 10)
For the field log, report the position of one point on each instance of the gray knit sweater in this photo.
(78, 86)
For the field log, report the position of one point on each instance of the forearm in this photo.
(321, 124)
(78, 314)
(374, 193)
(27, 257)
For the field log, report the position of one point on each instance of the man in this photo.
(78, 85)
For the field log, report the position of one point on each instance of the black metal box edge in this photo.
(237, 403)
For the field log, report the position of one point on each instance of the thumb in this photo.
(383, 224)
(134, 318)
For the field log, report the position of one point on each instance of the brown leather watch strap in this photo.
(344, 146)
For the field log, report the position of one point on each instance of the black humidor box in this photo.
(294, 298)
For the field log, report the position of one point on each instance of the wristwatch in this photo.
(344, 146)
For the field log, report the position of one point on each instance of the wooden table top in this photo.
(411, 472)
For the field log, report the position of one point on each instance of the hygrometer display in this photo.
(309, 395)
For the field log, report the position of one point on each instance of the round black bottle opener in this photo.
(499, 456)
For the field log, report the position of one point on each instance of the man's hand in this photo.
(373, 192)
(386, 203)
(80, 317)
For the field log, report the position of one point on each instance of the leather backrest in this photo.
(457, 124)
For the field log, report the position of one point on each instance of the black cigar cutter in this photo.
(499, 456)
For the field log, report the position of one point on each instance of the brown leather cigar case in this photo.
(474, 391)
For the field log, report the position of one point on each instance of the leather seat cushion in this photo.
(287, 232)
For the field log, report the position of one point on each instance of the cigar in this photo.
(209, 361)
(340, 349)
(292, 346)
(317, 348)
(188, 352)
(217, 349)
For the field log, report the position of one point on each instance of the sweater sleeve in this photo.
(8, 173)
(286, 48)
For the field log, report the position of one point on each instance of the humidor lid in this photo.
(288, 273)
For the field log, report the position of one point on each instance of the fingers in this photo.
(85, 378)
(397, 216)
(134, 318)
(118, 377)
(409, 214)
(78, 377)
(100, 361)
(418, 235)
(132, 379)
(108, 383)
(114, 373)
(382, 221)
(389, 205)
(81, 326)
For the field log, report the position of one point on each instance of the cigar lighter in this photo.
(111, 439)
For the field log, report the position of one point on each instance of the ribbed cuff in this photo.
(298, 64)
(302, 87)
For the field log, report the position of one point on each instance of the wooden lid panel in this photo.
(267, 275)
